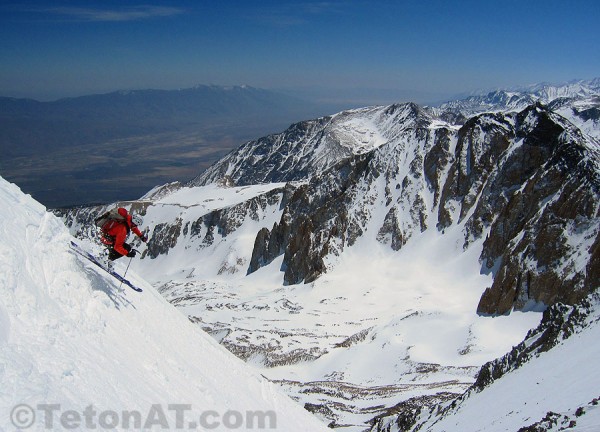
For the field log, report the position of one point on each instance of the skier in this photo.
(115, 230)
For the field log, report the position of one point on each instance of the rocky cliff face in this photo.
(526, 184)
(531, 182)
(517, 189)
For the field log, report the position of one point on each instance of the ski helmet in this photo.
(137, 220)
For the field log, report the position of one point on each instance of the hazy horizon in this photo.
(331, 96)
(331, 50)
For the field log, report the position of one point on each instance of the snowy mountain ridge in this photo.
(71, 340)
(390, 230)
(517, 99)
(547, 92)
(314, 146)
(430, 190)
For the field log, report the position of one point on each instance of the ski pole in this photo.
(126, 270)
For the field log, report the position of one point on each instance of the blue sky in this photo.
(405, 49)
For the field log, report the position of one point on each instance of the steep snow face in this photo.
(70, 336)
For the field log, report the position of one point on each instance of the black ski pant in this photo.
(113, 254)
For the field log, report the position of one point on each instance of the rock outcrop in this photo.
(528, 183)
(524, 186)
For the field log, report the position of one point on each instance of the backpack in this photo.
(111, 215)
(104, 222)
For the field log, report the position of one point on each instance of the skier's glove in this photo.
(144, 239)
(132, 253)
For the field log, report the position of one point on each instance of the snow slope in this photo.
(415, 333)
(560, 380)
(395, 315)
(70, 336)
(544, 389)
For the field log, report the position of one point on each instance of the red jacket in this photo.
(119, 230)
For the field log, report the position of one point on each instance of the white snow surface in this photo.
(70, 336)
(411, 314)
(561, 380)
(192, 258)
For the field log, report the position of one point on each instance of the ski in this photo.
(75, 247)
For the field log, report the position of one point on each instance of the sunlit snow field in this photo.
(410, 315)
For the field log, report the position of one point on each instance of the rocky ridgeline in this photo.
(527, 184)
(203, 231)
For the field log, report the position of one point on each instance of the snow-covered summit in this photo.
(70, 339)
(310, 147)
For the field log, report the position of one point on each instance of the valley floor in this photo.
(373, 332)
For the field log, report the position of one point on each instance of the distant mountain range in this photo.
(29, 126)
(105, 147)
(517, 99)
